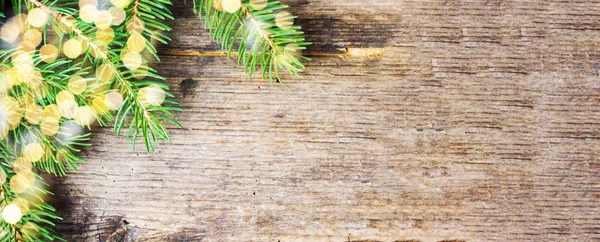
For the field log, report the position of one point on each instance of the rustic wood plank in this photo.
(479, 122)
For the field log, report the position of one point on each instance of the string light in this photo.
(77, 85)
(103, 19)
(72, 48)
(132, 60)
(33, 152)
(49, 126)
(113, 100)
(258, 4)
(88, 13)
(11, 214)
(37, 17)
(48, 53)
(284, 20)
(118, 15)
(231, 6)
(136, 42)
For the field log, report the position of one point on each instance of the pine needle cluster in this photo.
(69, 66)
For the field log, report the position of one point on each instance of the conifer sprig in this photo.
(262, 31)
(66, 66)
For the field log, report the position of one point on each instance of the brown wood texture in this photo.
(480, 122)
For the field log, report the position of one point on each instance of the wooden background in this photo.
(478, 121)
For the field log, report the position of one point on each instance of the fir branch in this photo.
(261, 40)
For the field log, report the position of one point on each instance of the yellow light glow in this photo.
(48, 53)
(84, 116)
(120, 3)
(11, 214)
(135, 25)
(258, 4)
(22, 61)
(49, 126)
(105, 36)
(98, 106)
(136, 42)
(68, 108)
(113, 100)
(51, 111)
(10, 30)
(284, 20)
(88, 13)
(33, 152)
(132, 60)
(19, 183)
(37, 17)
(103, 19)
(151, 95)
(218, 5)
(231, 6)
(118, 15)
(33, 114)
(77, 85)
(104, 73)
(72, 48)
(22, 165)
(63, 96)
(33, 36)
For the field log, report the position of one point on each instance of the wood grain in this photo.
(480, 122)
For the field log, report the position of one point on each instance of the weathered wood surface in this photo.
(480, 122)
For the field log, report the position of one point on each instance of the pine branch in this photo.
(264, 35)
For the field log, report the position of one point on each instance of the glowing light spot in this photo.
(67, 23)
(22, 165)
(135, 25)
(231, 6)
(284, 20)
(33, 152)
(33, 36)
(63, 96)
(218, 5)
(68, 109)
(33, 114)
(136, 42)
(104, 73)
(49, 126)
(88, 13)
(72, 48)
(151, 95)
(103, 19)
(118, 15)
(98, 106)
(141, 72)
(258, 4)
(11, 214)
(37, 17)
(105, 36)
(22, 204)
(51, 111)
(85, 116)
(22, 61)
(10, 30)
(19, 183)
(87, 2)
(132, 60)
(48, 53)
(77, 85)
(113, 100)
(120, 3)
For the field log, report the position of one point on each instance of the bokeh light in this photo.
(11, 214)
(231, 6)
